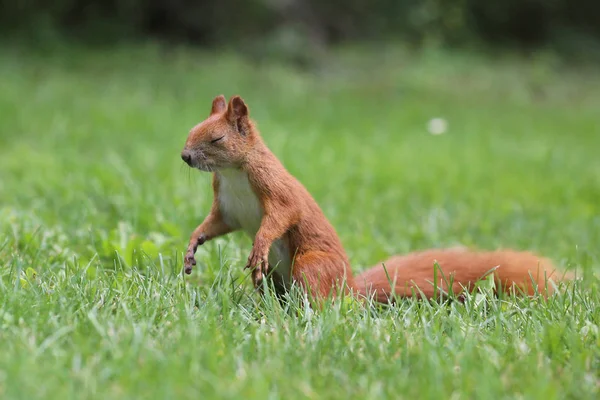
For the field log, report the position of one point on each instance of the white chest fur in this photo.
(241, 209)
(238, 203)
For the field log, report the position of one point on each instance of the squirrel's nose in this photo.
(187, 157)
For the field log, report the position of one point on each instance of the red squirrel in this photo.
(294, 241)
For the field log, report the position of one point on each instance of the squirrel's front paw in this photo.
(259, 262)
(188, 262)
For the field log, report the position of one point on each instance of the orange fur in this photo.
(294, 241)
(458, 270)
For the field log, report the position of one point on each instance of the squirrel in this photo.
(295, 242)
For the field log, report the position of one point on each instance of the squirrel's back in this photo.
(460, 269)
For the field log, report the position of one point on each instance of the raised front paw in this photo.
(188, 262)
(259, 262)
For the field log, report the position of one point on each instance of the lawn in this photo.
(97, 207)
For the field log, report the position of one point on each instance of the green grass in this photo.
(96, 208)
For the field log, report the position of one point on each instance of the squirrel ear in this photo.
(237, 113)
(237, 108)
(219, 105)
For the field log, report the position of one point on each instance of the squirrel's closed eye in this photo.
(217, 139)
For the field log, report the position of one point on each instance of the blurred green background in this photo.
(301, 30)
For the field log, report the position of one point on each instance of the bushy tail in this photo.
(459, 269)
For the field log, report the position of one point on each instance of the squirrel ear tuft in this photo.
(219, 105)
(237, 114)
(237, 108)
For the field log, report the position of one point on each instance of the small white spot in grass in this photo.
(437, 126)
(588, 329)
(522, 347)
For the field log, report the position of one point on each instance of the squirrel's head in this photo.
(224, 139)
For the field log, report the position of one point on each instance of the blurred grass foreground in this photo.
(404, 148)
